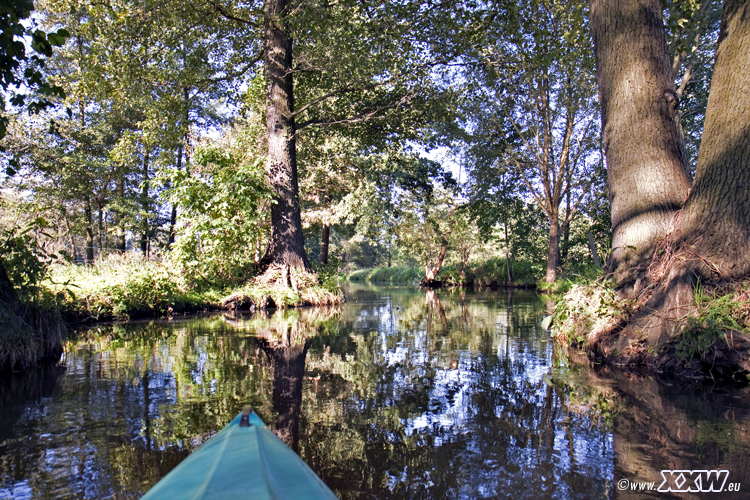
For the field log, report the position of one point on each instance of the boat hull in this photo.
(243, 460)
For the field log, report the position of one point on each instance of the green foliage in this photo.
(717, 315)
(124, 287)
(221, 218)
(328, 275)
(26, 263)
(16, 30)
(35, 333)
(392, 275)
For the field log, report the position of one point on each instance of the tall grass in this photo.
(122, 287)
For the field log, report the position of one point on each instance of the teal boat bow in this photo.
(245, 460)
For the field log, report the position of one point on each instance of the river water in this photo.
(398, 394)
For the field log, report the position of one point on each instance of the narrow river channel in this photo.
(399, 394)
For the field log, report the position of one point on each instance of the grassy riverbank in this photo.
(121, 288)
(711, 340)
(488, 273)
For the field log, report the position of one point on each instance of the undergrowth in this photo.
(122, 287)
(717, 312)
(587, 311)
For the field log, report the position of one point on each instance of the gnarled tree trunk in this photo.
(711, 237)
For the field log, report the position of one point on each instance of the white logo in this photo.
(696, 481)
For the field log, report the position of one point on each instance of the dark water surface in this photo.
(400, 394)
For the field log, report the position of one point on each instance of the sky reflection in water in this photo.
(401, 394)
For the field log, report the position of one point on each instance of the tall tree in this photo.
(384, 89)
(716, 219)
(286, 248)
(648, 177)
(710, 236)
(536, 114)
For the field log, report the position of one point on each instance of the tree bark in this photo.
(554, 247)
(286, 247)
(89, 233)
(433, 268)
(173, 215)
(145, 207)
(648, 178)
(712, 240)
(716, 218)
(325, 238)
(119, 223)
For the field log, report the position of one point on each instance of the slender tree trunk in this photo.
(554, 247)
(73, 247)
(89, 232)
(119, 227)
(102, 234)
(648, 178)
(565, 229)
(508, 265)
(286, 247)
(145, 206)
(325, 237)
(173, 214)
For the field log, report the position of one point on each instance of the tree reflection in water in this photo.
(401, 394)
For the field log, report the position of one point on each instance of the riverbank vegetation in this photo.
(174, 156)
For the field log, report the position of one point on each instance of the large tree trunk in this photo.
(554, 247)
(712, 240)
(716, 219)
(648, 179)
(286, 247)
